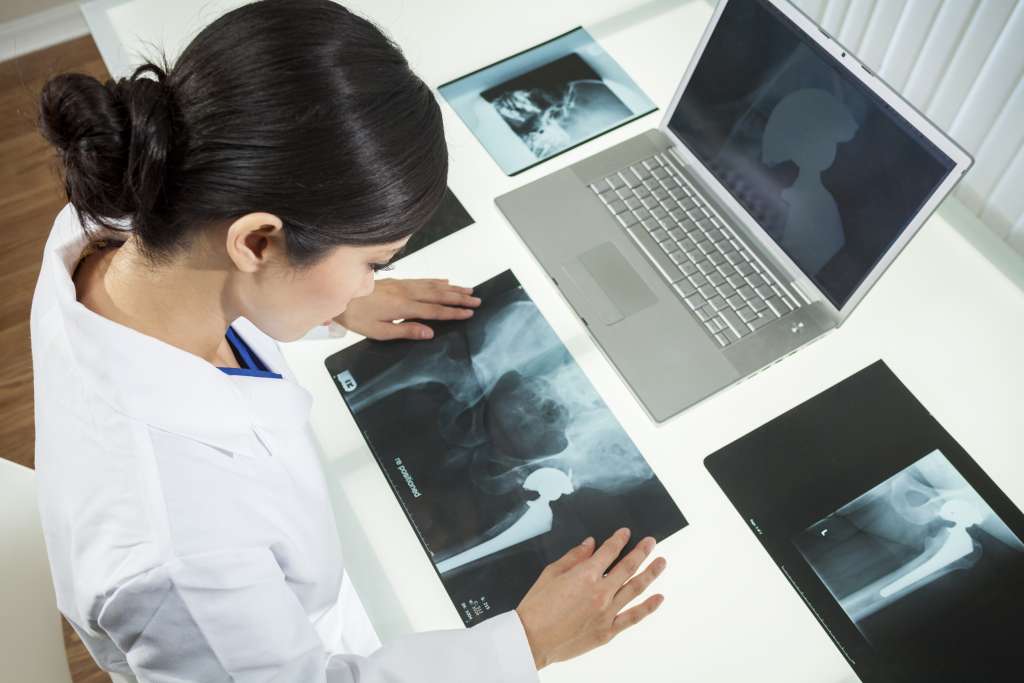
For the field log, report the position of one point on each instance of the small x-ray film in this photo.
(498, 448)
(545, 100)
(907, 553)
(451, 216)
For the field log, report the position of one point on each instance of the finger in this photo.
(387, 331)
(635, 587)
(629, 564)
(609, 550)
(573, 557)
(410, 331)
(634, 615)
(425, 311)
(452, 297)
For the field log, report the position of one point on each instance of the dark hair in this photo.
(294, 107)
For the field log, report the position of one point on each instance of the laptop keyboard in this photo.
(716, 275)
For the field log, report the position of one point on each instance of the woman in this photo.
(242, 197)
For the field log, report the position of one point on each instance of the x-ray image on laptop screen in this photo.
(830, 171)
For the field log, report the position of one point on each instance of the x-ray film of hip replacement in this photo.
(899, 543)
(922, 525)
(499, 449)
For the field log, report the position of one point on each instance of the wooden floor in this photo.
(30, 197)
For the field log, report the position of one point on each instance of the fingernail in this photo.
(589, 540)
(475, 300)
(426, 334)
(624, 531)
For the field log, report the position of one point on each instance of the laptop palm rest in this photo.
(608, 284)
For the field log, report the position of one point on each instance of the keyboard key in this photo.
(746, 314)
(661, 194)
(653, 162)
(688, 268)
(617, 207)
(650, 202)
(716, 258)
(714, 325)
(698, 280)
(686, 244)
(677, 234)
(627, 218)
(641, 171)
(707, 291)
(678, 193)
(734, 322)
(725, 246)
(704, 313)
(687, 204)
(744, 269)
(600, 186)
(642, 192)
(678, 258)
(734, 257)
(705, 267)
(706, 225)
(685, 288)
(633, 203)
(777, 306)
(716, 281)
(757, 304)
(658, 234)
(726, 268)
(763, 291)
(668, 246)
(736, 302)
(650, 247)
(760, 321)
(695, 301)
(642, 214)
(652, 184)
(659, 212)
(706, 247)
(660, 172)
(650, 225)
(735, 280)
(630, 179)
(747, 292)
(722, 339)
(717, 302)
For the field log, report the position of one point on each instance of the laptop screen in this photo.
(831, 172)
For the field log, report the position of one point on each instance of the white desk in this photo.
(946, 318)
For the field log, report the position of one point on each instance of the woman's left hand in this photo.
(374, 316)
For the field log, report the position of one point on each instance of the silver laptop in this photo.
(783, 180)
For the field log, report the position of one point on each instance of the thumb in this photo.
(385, 331)
(573, 557)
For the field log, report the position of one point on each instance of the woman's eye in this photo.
(377, 267)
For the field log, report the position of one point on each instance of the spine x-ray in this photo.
(499, 449)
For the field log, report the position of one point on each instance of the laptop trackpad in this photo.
(609, 284)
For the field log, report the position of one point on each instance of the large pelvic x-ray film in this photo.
(499, 449)
(908, 554)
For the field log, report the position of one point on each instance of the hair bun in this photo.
(115, 142)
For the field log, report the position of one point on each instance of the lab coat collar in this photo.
(162, 385)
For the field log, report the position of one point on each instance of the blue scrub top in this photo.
(251, 364)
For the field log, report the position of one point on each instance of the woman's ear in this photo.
(252, 240)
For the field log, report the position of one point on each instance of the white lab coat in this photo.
(187, 519)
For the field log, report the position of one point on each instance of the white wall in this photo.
(961, 62)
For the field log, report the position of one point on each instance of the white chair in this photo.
(31, 639)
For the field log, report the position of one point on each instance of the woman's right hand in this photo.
(574, 606)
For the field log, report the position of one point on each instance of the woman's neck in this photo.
(182, 304)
